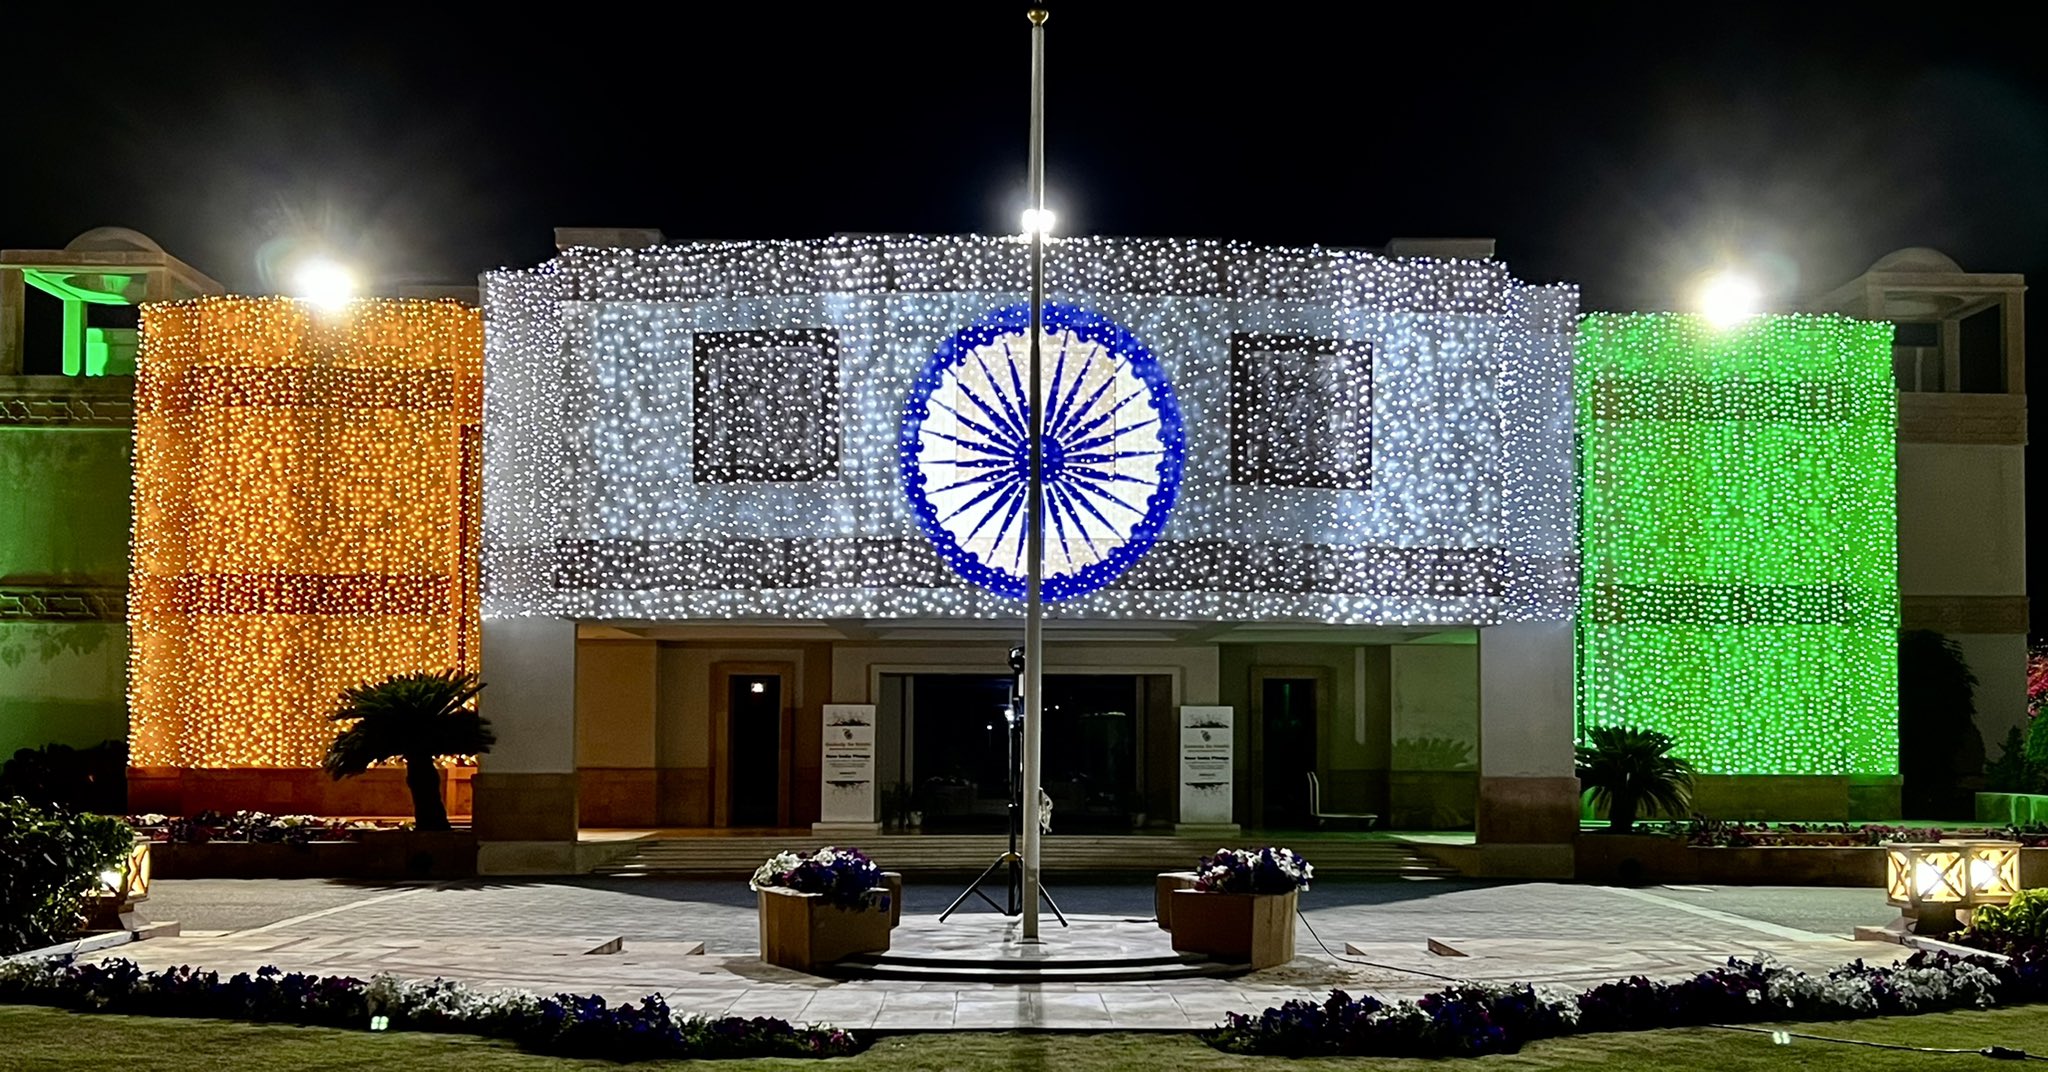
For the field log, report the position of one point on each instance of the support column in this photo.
(525, 789)
(12, 298)
(1528, 794)
(74, 337)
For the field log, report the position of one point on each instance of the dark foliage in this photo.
(2016, 770)
(1470, 1021)
(50, 861)
(1631, 771)
(565, 1025)
(1941, 753)
(414, 718)
(78, 779)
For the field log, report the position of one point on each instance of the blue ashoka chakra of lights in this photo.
(1114, 449)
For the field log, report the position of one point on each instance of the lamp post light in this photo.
(121, 886)
(1933, 882)
(1728, 298)
(324, 284)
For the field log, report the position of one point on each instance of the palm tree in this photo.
(1629, 769)
(413, 717)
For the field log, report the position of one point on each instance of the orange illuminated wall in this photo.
(306, 502)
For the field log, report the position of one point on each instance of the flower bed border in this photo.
(1472, 1020)
(1649, 859)
(566, 1025)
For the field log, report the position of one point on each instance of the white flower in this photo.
(770, 873)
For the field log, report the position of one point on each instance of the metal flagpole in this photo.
(1034, 507)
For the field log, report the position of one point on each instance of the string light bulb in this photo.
(305, 518)
(603, 501)
(1739, 539)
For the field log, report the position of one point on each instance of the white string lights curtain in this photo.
(1413, 466)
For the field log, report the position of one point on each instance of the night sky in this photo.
(1627, 148)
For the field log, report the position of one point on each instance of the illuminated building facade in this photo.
(1395, 519)
(305, 520)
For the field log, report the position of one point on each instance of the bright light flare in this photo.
(1038, 221)
(324, 284)
(1729, 298)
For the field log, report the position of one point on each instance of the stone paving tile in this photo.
(537, 936)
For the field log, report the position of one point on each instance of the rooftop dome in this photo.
(1917, 259)
(112, 240)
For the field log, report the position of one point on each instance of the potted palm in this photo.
(1631, 770)
(1241, 906)
(416, 718)
(818, 908)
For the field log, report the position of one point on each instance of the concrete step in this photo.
(913, 853)
(1011, 971)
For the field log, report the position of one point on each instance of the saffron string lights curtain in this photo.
(306, 496)
(1453, 505)
(1739, 539)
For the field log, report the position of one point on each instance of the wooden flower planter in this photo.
(1245, 928)
(800, 931)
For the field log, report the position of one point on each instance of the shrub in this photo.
(842, 877)
(1469, 1020)
(2015, 770)
(1939, 744)
(79, 779)
(416, 718)
(1630, 770)
(1267, 870)
(2023, 924)
(53, 860)
(567, 1025)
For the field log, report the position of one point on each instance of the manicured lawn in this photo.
(41, 1039)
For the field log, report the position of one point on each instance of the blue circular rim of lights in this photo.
(1089, 327)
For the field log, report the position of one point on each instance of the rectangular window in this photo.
(767, 406)
(1300, 412)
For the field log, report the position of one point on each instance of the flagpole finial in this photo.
(1037, 16)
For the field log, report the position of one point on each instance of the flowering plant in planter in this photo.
(842, 877)
(254, 827)
(1267, 870)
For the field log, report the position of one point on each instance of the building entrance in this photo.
(955, 741)
(754, 730)
(1288, 731)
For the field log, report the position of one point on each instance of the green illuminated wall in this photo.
(63, 523)
(1739, 539)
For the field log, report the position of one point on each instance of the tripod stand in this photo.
(1011, 862)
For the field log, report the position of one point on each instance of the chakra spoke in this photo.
(1089, 444)
(1084, 484)
(1066, 405)
(969, 504)
(1010, 493)
(1106, 415)
(1063, 497)
(972, 444)
(988, 433)
(1090, 507)
(1014, 428)
(1059, 527)
(973, 480)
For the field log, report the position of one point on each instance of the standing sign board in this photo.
(1205, 765)
(848, 770)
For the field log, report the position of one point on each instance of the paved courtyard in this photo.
(626, 938)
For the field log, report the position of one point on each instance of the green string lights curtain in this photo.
(1739, 539)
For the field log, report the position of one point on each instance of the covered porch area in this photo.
(683, 742)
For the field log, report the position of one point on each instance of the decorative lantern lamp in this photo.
(1932, 882)
(120, 887)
